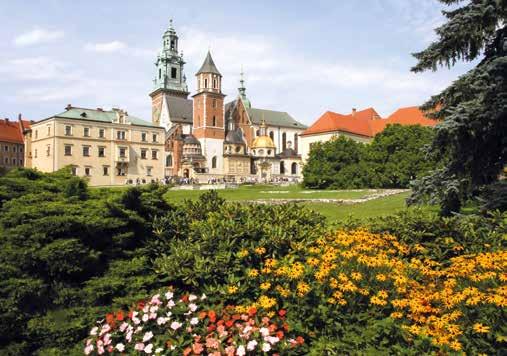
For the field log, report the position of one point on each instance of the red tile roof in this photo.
(10, 131)
(367, 122)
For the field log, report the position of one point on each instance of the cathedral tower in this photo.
(169, 78)
(208, 114)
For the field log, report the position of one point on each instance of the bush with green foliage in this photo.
(393, 159)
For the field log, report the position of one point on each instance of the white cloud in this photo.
(38, 36)
(106, 47)
(33, 68)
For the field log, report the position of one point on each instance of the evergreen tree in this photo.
(471, 139)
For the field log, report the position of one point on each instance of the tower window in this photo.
(214, 162)
(205, 83)
(214, 121)
(159, 73)
(282, 167)
(284, 141)
(173, 44)
(214, 83)
(174, 73)
(272, 135)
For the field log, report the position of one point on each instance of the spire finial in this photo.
(171, 23)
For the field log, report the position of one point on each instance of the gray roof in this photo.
(191, 140)
(109, 116)
(209, 66)
(288, 153)
(235, 136)
(180, 109)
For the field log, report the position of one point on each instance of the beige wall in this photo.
(49, 140)
(307, 140)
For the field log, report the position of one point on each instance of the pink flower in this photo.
(145, 317)
(192, 307)
(148, 349)
(156, 299)
(230, 350)
(107, 339)
(241, 350)
(128, 337)
(139, 346)
(272, 339)
(153, 309)
(147, 336)
(169, 295)
(123, 326)
(211, 343)
(175, 325)
(264, 331)
(88, 349)
(251, 345)
(194, 321)
(94, 330)
(266, 347)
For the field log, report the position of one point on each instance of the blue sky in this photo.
(303, 57)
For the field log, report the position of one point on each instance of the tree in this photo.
(471, 139)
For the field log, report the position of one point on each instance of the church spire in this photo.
(242, 89)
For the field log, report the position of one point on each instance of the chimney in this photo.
(100, 109)
(353, 111)
(32, 122)
(68, 107)
(19, 116)
(7, 120)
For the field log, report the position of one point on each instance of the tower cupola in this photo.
(209, 78)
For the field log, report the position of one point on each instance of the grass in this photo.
(259, 192)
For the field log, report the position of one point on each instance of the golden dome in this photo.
(263, 142)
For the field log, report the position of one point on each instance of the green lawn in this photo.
(260, 192)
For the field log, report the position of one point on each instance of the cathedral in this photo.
(208, 138)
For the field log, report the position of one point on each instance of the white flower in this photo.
(155, 299)
(266, 347)
(138, 329)
(120, 347)
(272, 339)
(169, 314)
(145, 317)
(105, 328)
(147, 336)
(161, 321)
(264, 331)
(169, 295)
(123, 326)
(251, 345)
(107, 339)
(247, 329)
(192, 297)
(128, 337)
(192, 307)
(148, 349)
(94, 330)
(146, 308)
(203, 296)
(159, 350)
(139, 346)
(171, 304)
(88, 349)
(175, 325)
(154, 309)
(194, 321)
(241, 350)
(153, 316)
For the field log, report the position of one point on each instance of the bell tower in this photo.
(208, 115)
(169, 76)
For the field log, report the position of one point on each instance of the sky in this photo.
(303, 57)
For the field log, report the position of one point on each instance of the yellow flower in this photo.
(382, 294)
(381, 277)
(377, 301)
(265, 285)
(232, 289)
(253, 273)
(312, 261)
(283, 292)
(270, 314)
(396, 315)
(266, 302)
(479, 328)
(260, 250)
(241, 309)
(296, 270)
(270, 262)
(302, 288)
(331, 300)
(243, 253)
(356, 276)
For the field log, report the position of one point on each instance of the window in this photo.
(282, 167)
(14, 149)
(21, 150)
(123, 152)
(155, 137)
(20, 162)
(174, 73)
(49, 130)
(143, 137)
(214, 121)
(86, 132)
(36, 134)
(169, 161)
(272, 135)
(257, 133)
(214, 83)
(48, 150)
(6, 160)
(148, 171)
(87, 171)
(102, 151)
(238, 149)
(269, 152)
(284, 141)
(68, 130)
(206, 83)
(173, 45)
(73, 170)
(121, 171)
(294, 168)
(6, 148)
(154, 154)
(214, 162)
(159, 73)
(105, 170)
(68, 150)
(102, 133)
(120, 135)
(86, 151)
(143, 153)
(35, 153)
(296, 142)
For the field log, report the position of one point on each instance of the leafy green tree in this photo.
(471, 138)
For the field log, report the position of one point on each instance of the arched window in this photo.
(272, 135)
(257, 133)
(282, 167)
(296, 142)
(205, 83)
(284, 141)
(214, 162)
(169, 161)
(214, 83)
(214, 121)
(294, 168)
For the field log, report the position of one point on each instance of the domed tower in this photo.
(263, 151)
(208, 114)
(236, 159)
(192, 159)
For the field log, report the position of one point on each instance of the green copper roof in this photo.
(273, 118)
(209, 66)
(103, 116)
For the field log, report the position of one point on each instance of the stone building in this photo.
(107, 147)
(12, 143)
